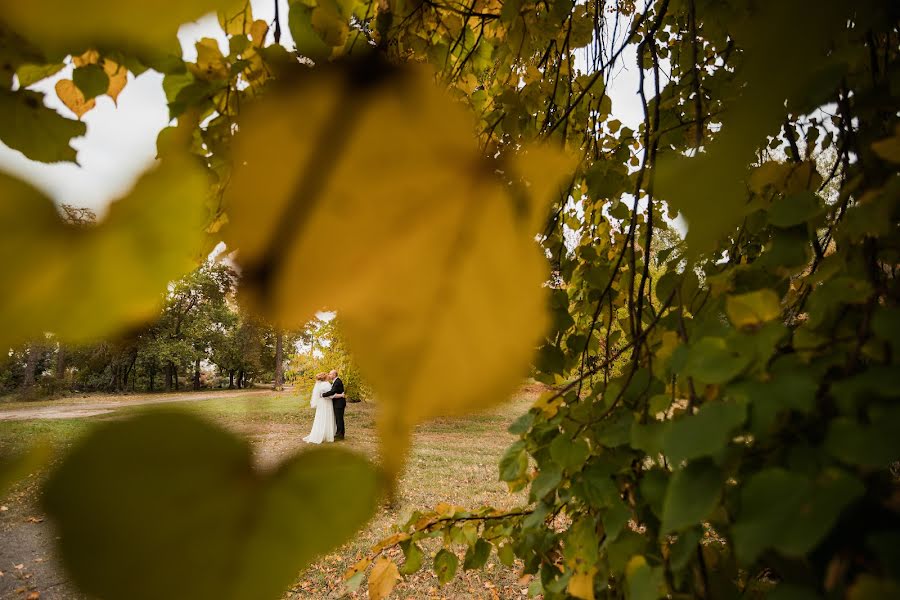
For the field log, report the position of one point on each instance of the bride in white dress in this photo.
(323, 427)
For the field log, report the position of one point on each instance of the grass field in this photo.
(453, 460)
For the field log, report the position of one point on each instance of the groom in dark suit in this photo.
(338, 401)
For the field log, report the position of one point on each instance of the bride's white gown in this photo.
(323, 427)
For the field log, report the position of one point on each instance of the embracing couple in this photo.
(329, 401)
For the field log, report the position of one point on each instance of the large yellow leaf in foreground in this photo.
(364, 192)
(85, 282)
(55, 24)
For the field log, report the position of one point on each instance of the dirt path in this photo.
(73, 408)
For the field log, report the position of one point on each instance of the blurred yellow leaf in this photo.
(889, 148)
(112, 275)
(753, 308)
(73, 98)
(581, 585)
(237, 20)
(63, 25)
(210, 65)
(383, 578)
(380, 206)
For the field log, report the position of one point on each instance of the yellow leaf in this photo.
(210, 65)
(410, 236)
(670, 341)
(635, 563)
(581, 585)
(383, 578)
(63, 25)
(546, 172)
(548, 403)
(237, 20)
(61, 274)
(73, 98)
(889, 148)
(359, 567)
(753, 308)
(118, 77)
(89, 57)
(258, 31)
(331, 26)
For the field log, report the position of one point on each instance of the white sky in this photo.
(121, 140)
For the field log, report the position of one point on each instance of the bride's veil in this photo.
(314, 395)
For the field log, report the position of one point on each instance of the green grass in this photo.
(453, 460)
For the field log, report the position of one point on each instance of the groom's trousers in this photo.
(339, 405)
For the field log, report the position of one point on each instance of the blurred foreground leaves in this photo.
(109, 275)
(414, 238)
(165, 505)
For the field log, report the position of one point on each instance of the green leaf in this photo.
(522, 424)
(643, 582)
(711, 360)
(166, 505)
(649, 437)
(445, 563)
(783, 392)
(546, 481)
(36, 131)
(506, 554)
(309, 44)
(693, 493)
(705, 433)
(796, 209)
(413, 556)
(514, 462)
(789, 512)
(685, 548)
(92, 80)
(18, 466)
(569, 454)
(753, 308)
(29, 74)
(875, 445)
(615, 517)
(477, 555)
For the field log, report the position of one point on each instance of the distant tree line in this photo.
(201, 339)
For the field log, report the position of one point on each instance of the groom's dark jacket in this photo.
(337, 387)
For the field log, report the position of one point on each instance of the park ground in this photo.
(453, 460)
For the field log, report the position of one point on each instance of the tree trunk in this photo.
(279, 360)
(196, 373)
(60, 362)
(169, 368)
(241, 379)
(175, 375)
(152, 374)
(130, 370)
(31, 360)
(231, 379)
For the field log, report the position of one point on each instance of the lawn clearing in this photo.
(453, 460)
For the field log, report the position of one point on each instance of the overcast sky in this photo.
(121, 140)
